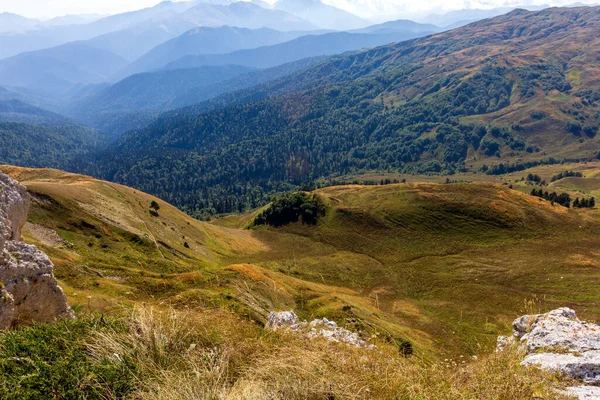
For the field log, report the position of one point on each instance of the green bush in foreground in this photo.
(49, 361)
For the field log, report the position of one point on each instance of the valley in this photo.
(300, 199)
(404, 259)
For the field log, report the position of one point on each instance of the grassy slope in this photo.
(453, 262)
(446, 266)
(114, 250)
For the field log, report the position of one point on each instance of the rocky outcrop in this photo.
(316, 328)
(559, 342)
(28, 290)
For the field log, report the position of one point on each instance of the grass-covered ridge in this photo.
(402, 262)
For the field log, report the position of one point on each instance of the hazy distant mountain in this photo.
(42, 36)
(401, 25)
(134, 33)
(156, 90)
(323, 15)
(15, 23)
(245, 15)
(60, 68)
(77, 19)
(17, 111)
(303, 47)
(243, 81)
(205, 40)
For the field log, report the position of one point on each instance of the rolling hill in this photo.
(445, 266)
(496, 95)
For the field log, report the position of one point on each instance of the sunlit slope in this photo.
(104, 239)
(444, 266)
(456, 261)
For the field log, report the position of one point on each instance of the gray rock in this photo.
(28, 290)
(559, 342)
(584, 392)
(585, 366)
(316, 328)
(505, 342)
(282, 319)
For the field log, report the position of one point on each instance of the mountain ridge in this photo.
(437, 103)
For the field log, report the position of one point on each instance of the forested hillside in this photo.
(36, 137)
(506, 89)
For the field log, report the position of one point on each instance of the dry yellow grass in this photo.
(215, 355)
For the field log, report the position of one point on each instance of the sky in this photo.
(53, 8)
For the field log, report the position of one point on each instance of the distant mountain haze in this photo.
(207, 40)
(148, 92)
(303, 47)
(323, 15)
(401, 25)
(60, 68)
(15, 23)
(151, 26)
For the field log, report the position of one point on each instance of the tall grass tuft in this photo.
(213, 354)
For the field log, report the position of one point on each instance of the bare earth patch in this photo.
(44, 235)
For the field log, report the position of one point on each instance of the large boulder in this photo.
(28, 290)
(559, 342)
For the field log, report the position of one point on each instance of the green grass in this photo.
(445, 266)
(53, 361)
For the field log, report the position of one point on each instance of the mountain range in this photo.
(503, 93)
(494, 91)
(134, 33)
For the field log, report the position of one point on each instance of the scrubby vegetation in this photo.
(210, 354)
(566, 174)
(292, 207)
(584, 203)
(563, 199)
(53, 361)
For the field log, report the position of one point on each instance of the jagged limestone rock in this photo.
(282, 319)
(28, 290)
(316, 328)
(559, 342)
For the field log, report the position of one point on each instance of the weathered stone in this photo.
(559, 342)
(316, 328)
(561, 329)
(584, 392)
(585, 366)
(28, 290)
(505, 342)
(282, 319)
